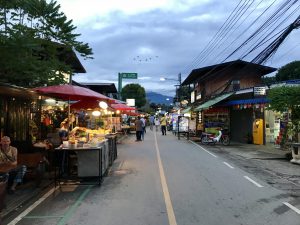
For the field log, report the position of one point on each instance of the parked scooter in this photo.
(222, 137)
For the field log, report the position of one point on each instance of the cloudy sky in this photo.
(162, 38)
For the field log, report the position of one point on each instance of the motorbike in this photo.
(222, 137)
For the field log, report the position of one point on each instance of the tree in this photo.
(290, 71)
(183, 93)
(136, 92)
(287, 99)
(34, 35)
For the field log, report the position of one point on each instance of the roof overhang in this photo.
(9, 90)
(213, 101)
(233, 66)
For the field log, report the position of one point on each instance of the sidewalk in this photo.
(252, 151)
(24, 195)
(261, 159)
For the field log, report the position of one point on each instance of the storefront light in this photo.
(96, 113)
(50, 100)
(118, 111)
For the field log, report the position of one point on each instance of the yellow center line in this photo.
(168, 202)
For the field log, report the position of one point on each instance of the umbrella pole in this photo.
(69, 112)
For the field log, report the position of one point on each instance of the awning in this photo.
(212, 102)
(247, 101)
(187, 110)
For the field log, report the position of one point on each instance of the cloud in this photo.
(161, 38)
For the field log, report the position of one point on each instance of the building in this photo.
(229, 96)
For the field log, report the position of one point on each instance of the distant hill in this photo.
(157, 98)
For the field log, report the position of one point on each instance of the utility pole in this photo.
(179, 89)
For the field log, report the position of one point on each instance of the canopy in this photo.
(71, 92)
(122, 107)
(247, 101)
(88, 104)
(187, 110)
(212, 102)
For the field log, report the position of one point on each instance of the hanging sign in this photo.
(259, 91)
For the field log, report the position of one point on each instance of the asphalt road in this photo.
(165, 181)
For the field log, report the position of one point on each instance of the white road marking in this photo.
(204, 149)
(32, 207)
(168, 202)
(292, 207)
(227, 164)
(254, 182)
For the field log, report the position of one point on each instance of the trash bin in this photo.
(3, 184)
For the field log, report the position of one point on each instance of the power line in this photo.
(213, 39)
(227, 30)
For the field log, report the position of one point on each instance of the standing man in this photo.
(144, 127)
(8, 156)
(151, 119)
(138, 128)
(163, 124)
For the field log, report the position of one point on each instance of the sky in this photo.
(162, 38)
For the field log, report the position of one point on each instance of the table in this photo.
(125, 129)
(7, 168)
(89, 165)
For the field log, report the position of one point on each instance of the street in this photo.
(165, 181)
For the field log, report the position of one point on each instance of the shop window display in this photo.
(214, 119)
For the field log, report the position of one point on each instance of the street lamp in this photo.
(178, 91)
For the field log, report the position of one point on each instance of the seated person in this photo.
(8, 156)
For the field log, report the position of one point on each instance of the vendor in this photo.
(63, 131)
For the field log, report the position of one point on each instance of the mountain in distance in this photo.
(157, 98)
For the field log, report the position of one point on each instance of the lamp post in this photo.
(178, 96)
(178, 91)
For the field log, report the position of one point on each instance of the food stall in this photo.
(90, 147)
(93, 154)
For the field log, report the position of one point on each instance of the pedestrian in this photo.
(63, 131)
(9, 156)
(144, 128)
(157, 123)
(138, 128)
(151, 119)
(163, 125)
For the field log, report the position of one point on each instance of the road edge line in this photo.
(165, 189)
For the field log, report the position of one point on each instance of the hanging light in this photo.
(103, 105)
(96, 113)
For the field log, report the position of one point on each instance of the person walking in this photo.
(163, 125)
(144, 128)
(138, 128)
(151, 120)
(157, 123)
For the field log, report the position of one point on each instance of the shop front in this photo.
(276, 127)
(247, 120)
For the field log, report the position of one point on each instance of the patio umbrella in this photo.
(71, 92)
(87, 104)
(122, 107)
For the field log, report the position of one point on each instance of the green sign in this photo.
(129, 75)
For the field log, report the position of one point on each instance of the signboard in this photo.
(259, 91)
(192, 96)
(129, 75)
(130, 102)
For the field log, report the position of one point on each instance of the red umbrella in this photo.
(86, 104)
(71, 92)
(122, 107)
